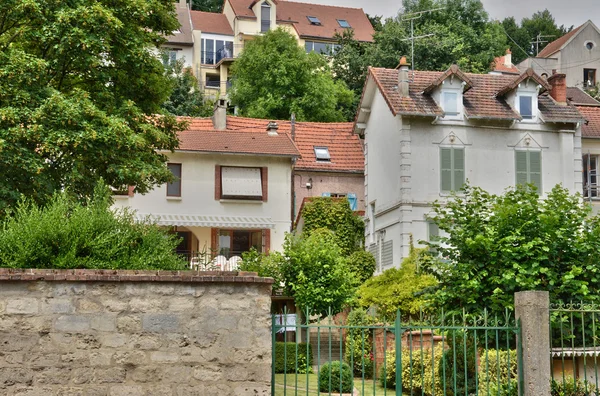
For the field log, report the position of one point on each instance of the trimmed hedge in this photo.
(493, 363)
(304, 362)
(333, 372)
(417, 373)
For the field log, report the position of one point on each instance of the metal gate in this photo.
(440, 355)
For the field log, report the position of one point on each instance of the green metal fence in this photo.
(575, 348)
(440, 355)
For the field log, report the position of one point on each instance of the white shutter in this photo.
(241, 182)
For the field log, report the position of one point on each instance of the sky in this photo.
(571, 12)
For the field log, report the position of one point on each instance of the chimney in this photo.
(219, 118)
(508, 58)
(293, 127)
(272, 128)
(558, 81)
(403, 77)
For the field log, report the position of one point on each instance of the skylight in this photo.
(344, 23)
(322, 154)
(314, 20)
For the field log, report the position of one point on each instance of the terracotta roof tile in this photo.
(237, 142)
(578, 97)
(480, 102)
(211, 22)
(591, 128)
(345, 148)
(185, 35)
(452, 71)
(297, 13)
(499, 65)
(556, 45)
(529, 73)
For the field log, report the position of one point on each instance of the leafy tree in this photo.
(81, 95)
(316, 274)
(266, 265)
(274, 77)
(362, 264)
(496, 245)
(186, 98)
(207, 5)
(69, 234)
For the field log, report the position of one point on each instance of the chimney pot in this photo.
(508, 58)
(272, 128)
(220, 115)
(558, 81)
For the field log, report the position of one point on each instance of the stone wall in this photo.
(109, 333)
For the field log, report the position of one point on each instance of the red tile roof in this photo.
(297, 13)
(211, 22)
(499, 65)
(237, 142)
(591, 128)
(480, 102)
(345, 148)
(556, 45)
(577, 97)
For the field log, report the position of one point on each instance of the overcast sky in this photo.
(569, 12)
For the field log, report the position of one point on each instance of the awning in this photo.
(568, 352)
(207, 221)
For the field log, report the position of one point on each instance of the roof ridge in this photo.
(323, 5)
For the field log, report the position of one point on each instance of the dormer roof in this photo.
(454, 70)
(514, 84)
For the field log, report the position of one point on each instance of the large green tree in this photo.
(274, 77)
(81, 94)
(495, 245)
(207, 5)
(186, 98)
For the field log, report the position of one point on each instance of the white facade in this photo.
(403, 173)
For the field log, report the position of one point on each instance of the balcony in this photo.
(226, 53)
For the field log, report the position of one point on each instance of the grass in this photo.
(290, 389)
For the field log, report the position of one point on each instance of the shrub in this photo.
(359, 343)
(398, 289)
(68, 234)
(572, 387)
(266, 265)
(490, 364)
(362, 264)
(458, 359)
(287, 350)
(339, 375)
(417, 371)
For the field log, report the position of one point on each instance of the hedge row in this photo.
(287, 350)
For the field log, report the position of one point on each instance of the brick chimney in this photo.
(403, 83)
(219, 117)
(508, 58)
(558, 81)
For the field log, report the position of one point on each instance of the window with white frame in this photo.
(452, 168)
(528, 168)
(212, 51)
(450, 104)
(265, 17)
(322, 154)
(328, 49)
(241, 183)
(526, 106)
(174, 187)
(590, 175)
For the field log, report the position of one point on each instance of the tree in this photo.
(274, 77)
(316, 274)
(496, 245)
(186, 98)
(80, 101)
(207, 5)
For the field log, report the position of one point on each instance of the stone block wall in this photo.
(126, 333)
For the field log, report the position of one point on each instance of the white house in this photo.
(426, 133)
(233, 190)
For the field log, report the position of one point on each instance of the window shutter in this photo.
(217, 182)
(446, 168)
(353, 201)
(459, 168)
(326, 194)
(265, 183)
(535, 169)
(521, 167)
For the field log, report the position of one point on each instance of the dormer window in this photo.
(450, 103)
(526, 107)
(526, 104)
(344, 23)
(322, 154)
(314, 20)
(265, 17)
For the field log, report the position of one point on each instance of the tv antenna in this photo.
(412, 17)
(539, 40)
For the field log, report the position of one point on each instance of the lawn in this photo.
(290, 389)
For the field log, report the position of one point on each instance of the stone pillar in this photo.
(532, 309)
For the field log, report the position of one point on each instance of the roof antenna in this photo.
(293, 127)
(412, 17)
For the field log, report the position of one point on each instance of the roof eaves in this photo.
(529, 73)
(237, 153)
(454, 70)
(337, 170)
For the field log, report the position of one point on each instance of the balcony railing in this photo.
(227, 260)
(214, 57)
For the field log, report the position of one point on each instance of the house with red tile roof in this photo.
(219, 38)
(232, 191)
(576, 54)
(503, 64)
(426, 133)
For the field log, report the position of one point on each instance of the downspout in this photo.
(293, 194)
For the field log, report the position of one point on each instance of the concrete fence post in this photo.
(532, 310)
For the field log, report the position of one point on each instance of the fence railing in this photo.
(439, 355)
(575, 348)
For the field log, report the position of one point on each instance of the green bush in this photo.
(68, 234)
(417, 371)
(362, 264)
(398, 289)
(458, 359)
(359, 343)
(266, 265)
(571, 387)
(305, 360)
(490, 364)
(340, 382)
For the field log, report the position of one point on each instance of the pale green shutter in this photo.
(446, 168)
(535, 169)
(521, 167)
(459, 168)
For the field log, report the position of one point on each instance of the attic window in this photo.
(344, 23)
(314, 20)
(322, 154)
